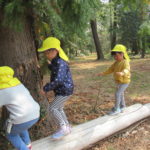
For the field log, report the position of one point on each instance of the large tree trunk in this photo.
(100, 55)
(17, 50)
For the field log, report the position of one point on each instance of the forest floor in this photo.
(94, 96)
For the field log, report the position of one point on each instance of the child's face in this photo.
(51, 54)
(118, 56)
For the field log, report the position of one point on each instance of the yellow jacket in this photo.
(120, 66)
(6, 78)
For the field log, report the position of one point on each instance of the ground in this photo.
(94, 96)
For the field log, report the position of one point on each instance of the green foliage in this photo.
(129, 25)
(131, 14)
(67, 20)
(48, 12)
(77, 13)
(13, 14)
(145, 29)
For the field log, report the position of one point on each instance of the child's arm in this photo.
(108, 71)
(60, 75)
(126, 69)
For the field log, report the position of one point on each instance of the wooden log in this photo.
(93, 131)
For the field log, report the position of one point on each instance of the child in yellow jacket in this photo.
(121, 72)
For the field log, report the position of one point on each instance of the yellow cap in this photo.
(123, 49)
(6, 77)
(52, 42)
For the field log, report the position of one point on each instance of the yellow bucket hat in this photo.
(52, 42)
(123, 49)
(6, 77)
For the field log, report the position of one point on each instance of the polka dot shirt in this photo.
(61, 79)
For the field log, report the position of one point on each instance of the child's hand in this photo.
(42, 92)
(48, 61)
(119, 73)
(100, 74)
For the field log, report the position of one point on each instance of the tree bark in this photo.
(18, 51)
(100, 55)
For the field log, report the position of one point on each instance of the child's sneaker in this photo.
(61, 133)
(122, 109)
(114, 111)
(29, 146)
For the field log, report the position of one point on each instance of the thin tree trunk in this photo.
(143, 47)
(113, 26)
(135, 49)
(100, 55)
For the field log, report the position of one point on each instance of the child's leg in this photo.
(16, 141)
(19, 137)
(25, 137)
(64, 115)
(122, 104)
(55, 110)
(119, 95)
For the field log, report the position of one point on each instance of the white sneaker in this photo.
(64, 130)
(68, 127)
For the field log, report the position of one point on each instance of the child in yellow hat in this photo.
(61, 83)
(121, 72)
(23, 110)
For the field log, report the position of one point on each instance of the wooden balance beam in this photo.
(95, 130)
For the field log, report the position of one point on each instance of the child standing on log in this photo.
(121, 72)
(61, 83)
(23, 110)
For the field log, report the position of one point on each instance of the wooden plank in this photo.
(90, 132)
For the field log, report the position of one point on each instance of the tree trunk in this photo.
(135, 49)
(143, 47)
(100, 55)
(113, 26)
(18, 51)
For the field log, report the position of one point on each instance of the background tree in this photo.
(98, 46)
(113, 23)
(127, 18)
